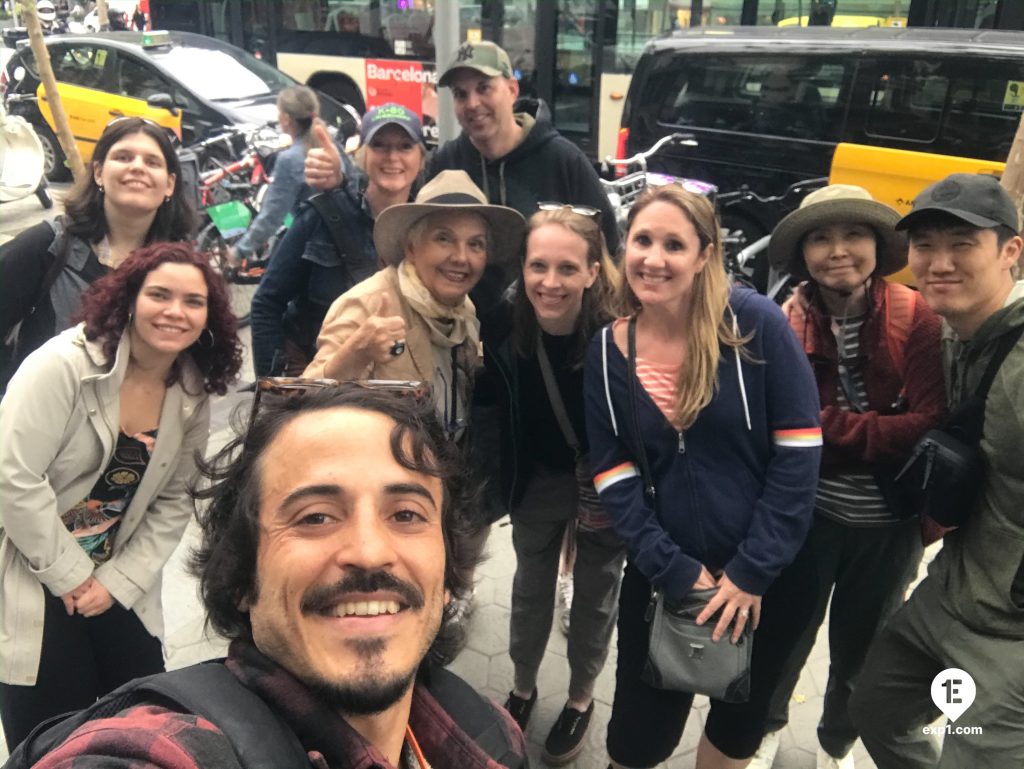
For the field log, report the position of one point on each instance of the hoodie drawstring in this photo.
(607, 388)
(739, 370)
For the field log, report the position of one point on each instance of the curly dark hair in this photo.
(225, 560)
(107, 303)
(175, 219)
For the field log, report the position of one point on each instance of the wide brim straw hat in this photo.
(450, 192)
(831, 205)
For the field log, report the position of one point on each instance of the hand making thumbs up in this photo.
(323, 161)
(382, 335)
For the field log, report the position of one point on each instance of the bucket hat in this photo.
(977, 199)
(484, 57)
(829, 205)
(450, 192)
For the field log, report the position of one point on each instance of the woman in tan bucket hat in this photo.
(874, 348)
(414, 320)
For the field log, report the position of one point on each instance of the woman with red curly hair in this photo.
(101, 426)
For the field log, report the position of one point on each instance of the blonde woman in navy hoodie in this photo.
(721, 401)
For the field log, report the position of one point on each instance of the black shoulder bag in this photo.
(681, 656)
(945, 472)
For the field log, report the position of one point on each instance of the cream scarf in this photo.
(449, 327)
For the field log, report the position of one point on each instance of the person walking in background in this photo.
(533, 354)
(705, 442)
(874, 348)
(130, 198)
(297, 110)
(316, 263)
(101, 426)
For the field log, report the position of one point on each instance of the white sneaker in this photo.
(563, 602)
(765, 755)
(825, 761)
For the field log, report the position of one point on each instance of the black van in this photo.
(768, 105)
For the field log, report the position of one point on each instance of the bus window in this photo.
(907, 100)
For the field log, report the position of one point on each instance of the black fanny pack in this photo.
(943, 477)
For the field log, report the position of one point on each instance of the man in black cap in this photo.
(968, 613)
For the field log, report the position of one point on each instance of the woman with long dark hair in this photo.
(101, 429)
(131, 197)
(705, 440)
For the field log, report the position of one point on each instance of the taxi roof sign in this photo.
(154, 39)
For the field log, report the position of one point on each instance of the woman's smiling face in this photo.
(134, 175)
(449, 254)
(663, 255)
(556, 275)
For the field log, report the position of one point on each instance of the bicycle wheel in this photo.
(241, 288)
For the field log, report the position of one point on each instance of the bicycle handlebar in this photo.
(681, 139)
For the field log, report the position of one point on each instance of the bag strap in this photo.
(1003, 346)
(900, 306)
(555, 397)
(631, 378)
(341, 236)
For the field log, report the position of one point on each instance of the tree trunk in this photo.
(1013, 176)
(60, 117)
(101, 15)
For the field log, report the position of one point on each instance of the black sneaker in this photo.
(520, 709)
(565, 741)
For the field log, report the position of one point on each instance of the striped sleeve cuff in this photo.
(801, 437)
(613, 475)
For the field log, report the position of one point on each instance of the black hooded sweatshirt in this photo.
(544, 166)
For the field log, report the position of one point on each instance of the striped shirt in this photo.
(852, 498)
(659, 380)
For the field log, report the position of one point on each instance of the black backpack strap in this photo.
(474, 714)
(259, 737)
(1006, 343)
(346, 246)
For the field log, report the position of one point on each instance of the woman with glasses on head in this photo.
(297, 110)
(704, 433)
(414, 320)
(130, 198)
(531, 396)
(101, 426)
(308, 270)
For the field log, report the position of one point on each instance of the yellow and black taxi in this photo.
(195, 86)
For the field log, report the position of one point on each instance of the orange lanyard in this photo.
(415, 747)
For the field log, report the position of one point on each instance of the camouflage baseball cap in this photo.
(484, 57)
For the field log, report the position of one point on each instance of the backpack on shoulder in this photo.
(259, 736)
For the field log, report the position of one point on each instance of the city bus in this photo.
(577, 55)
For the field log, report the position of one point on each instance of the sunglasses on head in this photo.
(145, 120)
(289, 386)
(587, 211)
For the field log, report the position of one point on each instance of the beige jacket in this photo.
(59, 423)
(350, 311)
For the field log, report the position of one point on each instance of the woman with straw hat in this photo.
(874, 348)
(414, 320)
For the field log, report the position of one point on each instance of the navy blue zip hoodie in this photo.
(735, 491)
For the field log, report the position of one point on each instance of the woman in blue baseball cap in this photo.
(317, 262)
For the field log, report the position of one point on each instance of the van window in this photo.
(986, 100)
(907, 99)
(799, 97)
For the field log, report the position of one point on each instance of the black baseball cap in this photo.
(978, 199)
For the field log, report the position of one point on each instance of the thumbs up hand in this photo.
(323, 161)
(382, 335)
